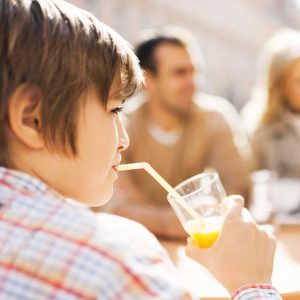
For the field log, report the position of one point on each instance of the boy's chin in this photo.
(92, 200)
(99, 200)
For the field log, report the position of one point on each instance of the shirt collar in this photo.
(21, 181)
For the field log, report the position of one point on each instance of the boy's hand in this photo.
(243, 253)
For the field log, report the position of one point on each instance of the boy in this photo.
(64, 76)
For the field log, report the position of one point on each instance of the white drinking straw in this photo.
(147, 167)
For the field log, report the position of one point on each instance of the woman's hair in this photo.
(63, 51)
(282, 50)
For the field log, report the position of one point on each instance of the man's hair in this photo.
(63, 51)
(151, 40)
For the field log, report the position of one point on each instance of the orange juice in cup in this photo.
(205, 194)
(204, 233)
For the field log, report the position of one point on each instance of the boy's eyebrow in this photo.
(117, 94)
(123, 100)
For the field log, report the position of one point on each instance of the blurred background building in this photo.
(230, 33)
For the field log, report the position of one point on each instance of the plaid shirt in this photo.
(52, 249)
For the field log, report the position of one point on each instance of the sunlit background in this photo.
(230, 33)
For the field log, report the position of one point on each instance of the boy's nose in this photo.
(123, 136)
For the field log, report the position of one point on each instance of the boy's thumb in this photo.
(235, 204)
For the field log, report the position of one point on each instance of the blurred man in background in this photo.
(177, 133)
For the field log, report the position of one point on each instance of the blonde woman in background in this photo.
(276, 108)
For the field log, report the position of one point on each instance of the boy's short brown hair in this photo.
(62, 50)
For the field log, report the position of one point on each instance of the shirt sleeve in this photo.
(256, 292)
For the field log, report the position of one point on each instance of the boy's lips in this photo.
(115, 166)
(117, 161)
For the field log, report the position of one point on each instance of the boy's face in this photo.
(101, 137)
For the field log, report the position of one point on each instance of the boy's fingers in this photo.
(247, 217)
(192, 250)
(235, 204)
(190, 246)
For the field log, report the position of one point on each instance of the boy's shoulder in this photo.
(75, 223)
(39, 209)
(66, 245)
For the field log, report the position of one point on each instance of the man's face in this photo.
(173, 85)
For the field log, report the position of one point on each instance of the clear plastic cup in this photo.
(205, 194)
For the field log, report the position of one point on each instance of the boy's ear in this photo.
(24, 116)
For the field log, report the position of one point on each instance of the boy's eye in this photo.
(117, 110)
